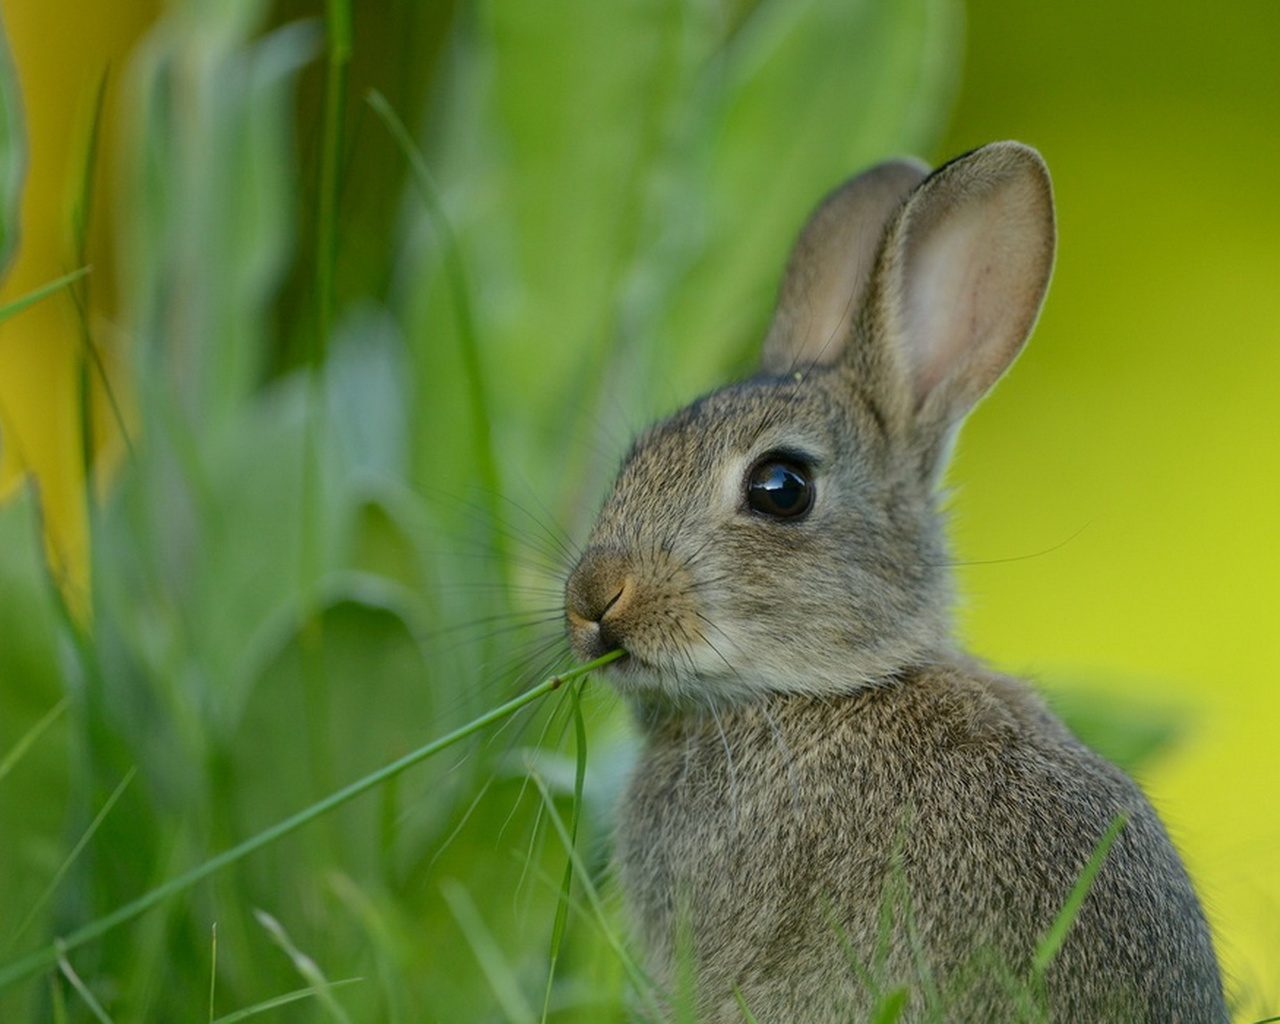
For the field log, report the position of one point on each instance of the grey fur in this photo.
(832, 802)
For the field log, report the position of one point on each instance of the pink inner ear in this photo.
(945, 318)
(975, 273)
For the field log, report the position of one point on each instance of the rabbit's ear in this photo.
(960, 281)
(827, 274)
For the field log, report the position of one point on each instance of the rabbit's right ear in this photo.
(957, 288)
(829, 270)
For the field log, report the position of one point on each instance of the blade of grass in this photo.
(58, 1000)
(28, 739)
(684, 1000)
(337, 20)
(43, 292)
(1057, 932)
(41, 959)
(82, 202)
(644, 985)
(213, 970)
(71, 858)
(81, 215)
(478, 392)
(305, 965)
(747, 1015)
(487, 952)
(386, 935)
(82, 990)
(91, 364)
(891, 1007)
(566, 887)
(337, 60)
(281, 1000)
(13, 153)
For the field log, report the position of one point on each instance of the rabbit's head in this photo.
(782, 534)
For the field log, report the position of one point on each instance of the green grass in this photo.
(316, 557)
(42, 959)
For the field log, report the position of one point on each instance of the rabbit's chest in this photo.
(794, 826)
(749, 845)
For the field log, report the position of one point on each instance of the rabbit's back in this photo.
(815, 854)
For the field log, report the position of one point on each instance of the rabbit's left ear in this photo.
(960, 279)
(825, 284)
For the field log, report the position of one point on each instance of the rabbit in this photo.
(835, 810)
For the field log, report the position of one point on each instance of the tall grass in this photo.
(359, 429)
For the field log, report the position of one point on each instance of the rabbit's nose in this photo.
(596, 597)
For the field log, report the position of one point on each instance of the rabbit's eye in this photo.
(779, 488)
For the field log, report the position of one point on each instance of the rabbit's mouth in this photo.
(633, 675)
(671, 683)
(631, 667)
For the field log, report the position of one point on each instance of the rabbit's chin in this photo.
(679, 686)
(683, 684)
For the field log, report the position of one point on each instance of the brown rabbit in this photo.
(835, 808)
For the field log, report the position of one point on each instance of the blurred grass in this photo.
(292, 578)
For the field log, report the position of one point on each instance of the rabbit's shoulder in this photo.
(951, 703)
(954, 728)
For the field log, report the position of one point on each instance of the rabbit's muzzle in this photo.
(642, 605)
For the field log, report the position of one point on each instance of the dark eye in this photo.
(779, 487)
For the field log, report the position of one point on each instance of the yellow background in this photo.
(61, 50)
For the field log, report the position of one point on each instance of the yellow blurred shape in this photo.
(61, 50)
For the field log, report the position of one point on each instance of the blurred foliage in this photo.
(292, 575)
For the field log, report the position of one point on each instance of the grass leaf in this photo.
(891, 1007)
(643, 985)
(71, 857)
(310, 992)
(468, 335)
(337, 60)
(747, 1016)
(82, 990)
(304, 964)
(566, 886)
(28, 739)
(1057, 932)
(213, 968)
(43, 292)
(13, 154)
